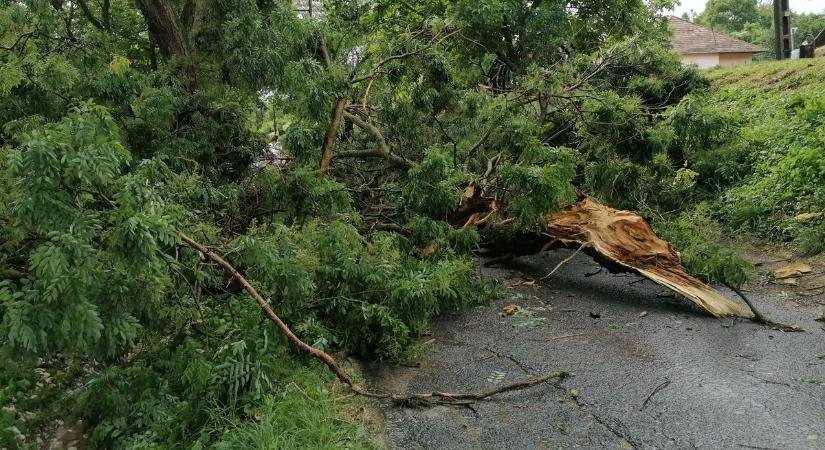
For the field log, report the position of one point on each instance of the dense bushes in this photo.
(747, 153)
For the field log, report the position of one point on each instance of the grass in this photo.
(770, 76)
(778, 108)
(310, 412)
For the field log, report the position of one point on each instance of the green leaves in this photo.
(82, 246)
(363, 295)
(540, 183)
(434, 187)
(695, 235)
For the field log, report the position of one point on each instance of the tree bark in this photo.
(331, 137)
(192, 15)
(169, 35)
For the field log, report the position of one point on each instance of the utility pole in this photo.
(782, 29)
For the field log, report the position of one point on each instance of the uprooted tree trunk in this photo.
(619, 240)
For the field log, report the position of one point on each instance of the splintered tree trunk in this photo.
(618, 239)
(628, 240)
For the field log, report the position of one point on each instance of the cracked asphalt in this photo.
(672, 377)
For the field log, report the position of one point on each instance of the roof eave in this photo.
(710, 52)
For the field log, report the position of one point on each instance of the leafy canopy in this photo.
(324, 154)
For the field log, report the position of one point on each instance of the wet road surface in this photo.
(672, 377)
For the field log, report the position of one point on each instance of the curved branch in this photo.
(419, 399)
(384, 150)
(377, 153)
(757, 315)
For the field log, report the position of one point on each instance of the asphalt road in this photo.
(672, 377)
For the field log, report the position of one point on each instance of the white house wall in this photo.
(711, 60)
(702, 60)
(735, 59)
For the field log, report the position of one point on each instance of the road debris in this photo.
(524, 282)
(655, 391)
(789, 273)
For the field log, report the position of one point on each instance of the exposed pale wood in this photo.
(628, 240)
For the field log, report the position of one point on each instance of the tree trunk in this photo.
(169, 35)
(331, 137)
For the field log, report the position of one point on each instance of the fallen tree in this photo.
(622, 241)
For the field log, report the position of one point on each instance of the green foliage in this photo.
(729, 15)
(695, 235)
(74, 243)
(434, 187)
(117, 133)
(301, 416)
(366, 296)
(781, 172)
(540, 185)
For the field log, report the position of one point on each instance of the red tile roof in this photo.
(689, 37)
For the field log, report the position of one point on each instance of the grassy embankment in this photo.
(770, 173)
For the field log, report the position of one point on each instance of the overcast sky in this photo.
(814, 6)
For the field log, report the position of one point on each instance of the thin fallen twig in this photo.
(758, 317)
(418, 399)
(762, 263)
(757, 447)
(556, 338)
(565, 260)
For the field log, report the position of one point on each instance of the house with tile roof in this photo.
(707, 48)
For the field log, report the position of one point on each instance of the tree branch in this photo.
(376, 68)
(757, 316)
(330, 138)
(166, 31)
(377, 153)
(89, 15)
(192, 15)
(384, 150)
(106, 14)
(322, 45)
(475, 148)
(419, 399)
